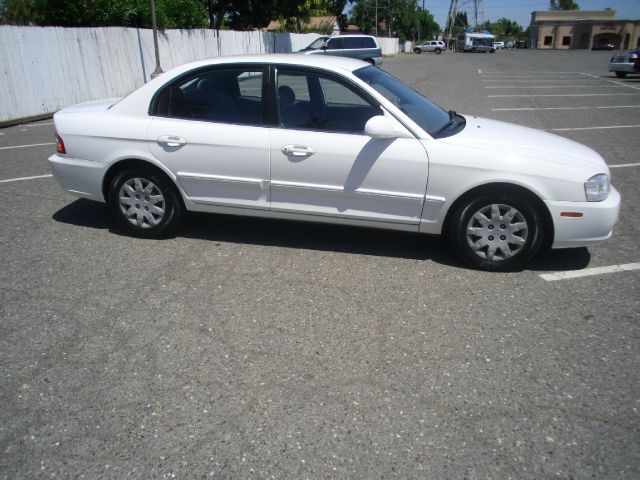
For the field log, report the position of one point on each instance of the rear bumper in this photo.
(622, 67)
(595, 226)
(82, 178)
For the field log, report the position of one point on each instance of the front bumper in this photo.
(595, 226)
(82, 178)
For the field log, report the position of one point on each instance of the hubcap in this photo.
(497, 232)
(141, 202)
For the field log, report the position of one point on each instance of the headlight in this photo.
(597, 188)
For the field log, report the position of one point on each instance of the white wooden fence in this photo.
(46, 68)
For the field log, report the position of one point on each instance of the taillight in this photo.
(60, 144)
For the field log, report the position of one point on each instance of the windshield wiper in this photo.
(452, 121)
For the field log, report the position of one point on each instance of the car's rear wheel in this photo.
(144, 203)
(438, 51)
(417, 51)
(621, 74)
(496, 232)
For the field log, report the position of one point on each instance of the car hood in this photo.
(504, 137)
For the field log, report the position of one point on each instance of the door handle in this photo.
(297, 151)
(171, 141)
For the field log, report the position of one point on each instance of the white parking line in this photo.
(594, 128)
(527, 109)
(621, 165)
(21, 179)
(566, 95)
(27, 146)
(611, 81)
(551, 277)
(554, 86)
(528, 72)
(557, 79)
(38, 124)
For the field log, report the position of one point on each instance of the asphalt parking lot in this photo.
(252, 348)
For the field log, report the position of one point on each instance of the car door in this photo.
(208, 130)
(336, 46)
(322, 163)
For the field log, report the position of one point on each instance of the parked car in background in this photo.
(625, 63)
(498, 45)
(328, 139)
(521, 44)
(604, 45)
(362, 47)
(436, 46)
(508, 45)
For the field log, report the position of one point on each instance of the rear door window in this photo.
(228, 95)
(352, 42)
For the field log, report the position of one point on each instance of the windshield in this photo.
(316, 44)
(421, 110)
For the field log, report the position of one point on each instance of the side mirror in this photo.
(381, 127)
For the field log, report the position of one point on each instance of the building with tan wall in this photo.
(581, 29)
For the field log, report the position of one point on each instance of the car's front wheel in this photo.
(438, 51)
(621, 74)
(144, 203)
(417, 51)
(496, 232)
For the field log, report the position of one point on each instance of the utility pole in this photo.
(475, 14)
(389, 19)
(453, 11)
(158, 69)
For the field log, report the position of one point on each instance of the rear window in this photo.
(368, 42)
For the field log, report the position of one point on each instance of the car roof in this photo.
(139, 99)
(323, 61)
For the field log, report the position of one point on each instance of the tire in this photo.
(514, 242)
(417, 51)
(621, 74)
(144, 203)
(438, 51)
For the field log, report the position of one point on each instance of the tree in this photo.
(505, 29)
(127, 13)
(403, 16)
(563, 5)
(19, 12)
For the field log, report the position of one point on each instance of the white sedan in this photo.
(335, 140)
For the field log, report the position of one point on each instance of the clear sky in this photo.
(520, 10)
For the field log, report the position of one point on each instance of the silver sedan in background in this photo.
(625, 63)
